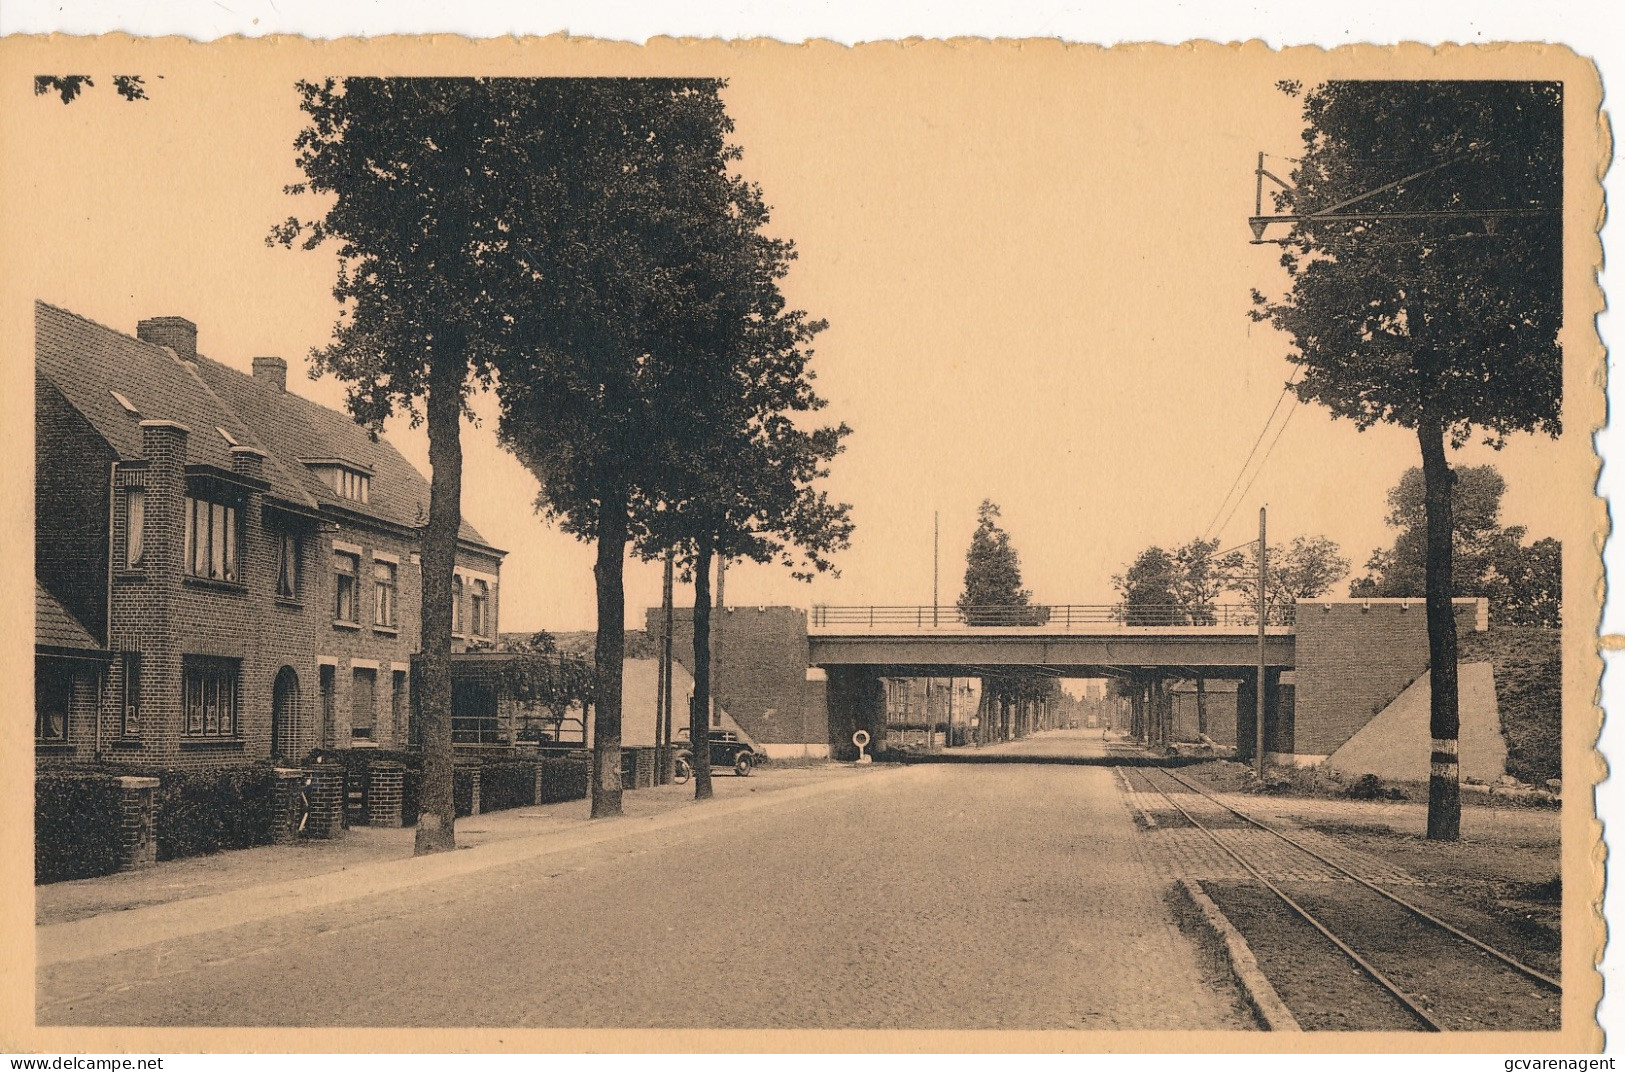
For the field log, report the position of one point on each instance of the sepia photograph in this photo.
(979, 545)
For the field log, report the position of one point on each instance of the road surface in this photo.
(930, 897)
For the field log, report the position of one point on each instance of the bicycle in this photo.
(682, 771)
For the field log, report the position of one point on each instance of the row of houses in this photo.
(225, 571)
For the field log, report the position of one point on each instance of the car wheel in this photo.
(742, 764)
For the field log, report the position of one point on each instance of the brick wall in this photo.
(1353, 658)
(760, 657)
(365, 645)
(166, 615)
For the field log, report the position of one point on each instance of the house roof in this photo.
(54, 627)
(298, 430)
(94, 367)
(97, 369)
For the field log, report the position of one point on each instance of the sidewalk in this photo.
(369, 855)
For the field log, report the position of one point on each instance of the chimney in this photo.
(272, 371)
(164, 441)
(175, 332)
(248, 461)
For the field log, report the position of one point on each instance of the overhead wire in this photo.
(1261, 463)
(1254, 450)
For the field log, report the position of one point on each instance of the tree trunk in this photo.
(699, 713)
(1201, 706)
(609, 651)
(444, 405)
(1444, 721)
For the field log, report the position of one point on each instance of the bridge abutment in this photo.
(856, 699)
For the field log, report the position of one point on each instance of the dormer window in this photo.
(347, 481)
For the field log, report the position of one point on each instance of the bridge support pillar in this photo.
(1247, 714)
(856, 699)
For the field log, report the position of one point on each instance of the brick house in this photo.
(242, 561)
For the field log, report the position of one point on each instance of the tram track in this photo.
(1430, 974)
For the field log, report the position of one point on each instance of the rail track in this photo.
(1436, 975)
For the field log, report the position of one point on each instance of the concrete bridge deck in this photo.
(1072, 639)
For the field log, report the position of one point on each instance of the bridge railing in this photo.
(1057, 616)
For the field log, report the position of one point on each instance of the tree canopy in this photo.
(1307, 567)
(1404, 317)
(1522, 582)
(1152, 589)
(1184, 587)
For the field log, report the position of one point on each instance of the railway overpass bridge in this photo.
(1347, 658)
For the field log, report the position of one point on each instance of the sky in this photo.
(1035, 272)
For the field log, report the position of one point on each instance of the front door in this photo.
(285, 715)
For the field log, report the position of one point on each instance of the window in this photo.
(397, 704)
(132, 694)
(473, 713)
(211, 540)
(363, 702)
(348, 483)
(326, 678)
(383, 588)
(210, 697)
(287, 565)
(135, 526)
(53, 693)
(479, 601)
(346, 576)
(456, 604)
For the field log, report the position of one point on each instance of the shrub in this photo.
(205, 811)
(462, 789)
(76, 825)
(564, 779)
(506, 784)
(1365, 787)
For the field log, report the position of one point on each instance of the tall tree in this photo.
(992, 573)
(630, 184)
(1425, 258)
(743, 486)
(414, 168)
(994, 595)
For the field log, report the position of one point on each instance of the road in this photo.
(928, 897)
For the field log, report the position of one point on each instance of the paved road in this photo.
(940, 897)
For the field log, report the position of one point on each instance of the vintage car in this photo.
(727, 750)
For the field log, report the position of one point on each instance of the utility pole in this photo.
(1263, 572)
(936, 540)
(663, 732)
(718, 627)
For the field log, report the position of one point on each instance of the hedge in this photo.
(563, 779)
(506, 784)
(462, 789)
(77, 816)
(207, 811)
(1529, 694)
(196, 812)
